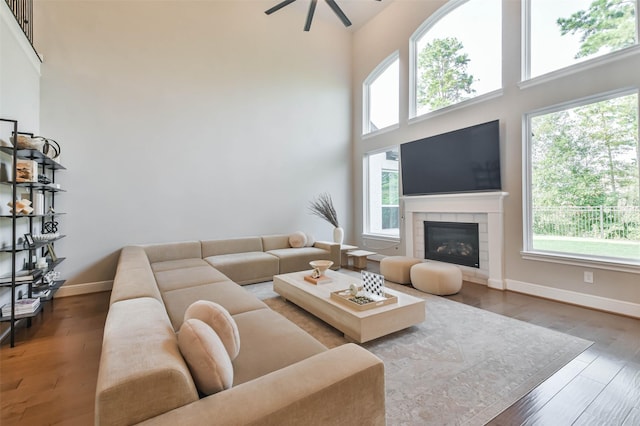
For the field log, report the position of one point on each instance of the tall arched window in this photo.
(456, 55)
(381, 96)
(559, 34)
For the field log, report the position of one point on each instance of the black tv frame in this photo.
(463, 160)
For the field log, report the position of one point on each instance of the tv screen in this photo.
(464, 160)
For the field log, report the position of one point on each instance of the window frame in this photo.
(525, 69)
(528, 252)
(366, 196)
(380, 69)
(424, 28)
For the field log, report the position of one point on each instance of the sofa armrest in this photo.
(333, 249)
(344, 385)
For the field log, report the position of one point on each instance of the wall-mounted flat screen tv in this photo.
(464, 160)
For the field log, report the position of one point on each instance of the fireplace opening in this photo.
(452, 242)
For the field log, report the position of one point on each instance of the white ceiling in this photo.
(358, 11)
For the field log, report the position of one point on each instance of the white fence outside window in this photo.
(609, 223)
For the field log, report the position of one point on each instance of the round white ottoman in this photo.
(436, 278)
(397, 268)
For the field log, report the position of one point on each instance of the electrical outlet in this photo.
(588, 277)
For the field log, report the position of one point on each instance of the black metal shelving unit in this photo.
(38, 285)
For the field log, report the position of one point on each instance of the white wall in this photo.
(375, 41)
(19, 75)
(19, 100)
(190, 120)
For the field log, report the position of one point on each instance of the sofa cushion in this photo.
(231, 245)
(220, 320)
(206, 357)
(134, 277)
(173, 251)
(263, 333)
(273, 242)
(298, 239)
(294, 260)
(246, 267)
(168, 265)
(189, 277)
(142, 373)
(132, 256)
(234, 298)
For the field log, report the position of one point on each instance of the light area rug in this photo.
(461, 366)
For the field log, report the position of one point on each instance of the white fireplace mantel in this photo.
(489, 203)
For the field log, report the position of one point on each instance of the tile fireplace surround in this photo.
(484, 208)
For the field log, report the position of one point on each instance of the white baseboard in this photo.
(77, 289)
(587, 300)
(496, 284)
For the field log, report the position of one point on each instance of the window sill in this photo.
(381, 237)
(381, 131)
(379, 242)
(460, 105)
(619, 265)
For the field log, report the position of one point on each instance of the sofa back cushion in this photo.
(142, 372)
(274, 242)
(232, 245)
(134, 277)
(173, 251)
(293, 260)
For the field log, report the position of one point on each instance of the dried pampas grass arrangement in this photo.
(323, 208)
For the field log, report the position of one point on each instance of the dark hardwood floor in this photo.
(599, 387)
(49, 378)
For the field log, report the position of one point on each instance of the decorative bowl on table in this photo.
(321, 265)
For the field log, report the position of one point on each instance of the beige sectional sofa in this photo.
(257, 259)
(282, 375)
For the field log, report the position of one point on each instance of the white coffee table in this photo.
(360, 326)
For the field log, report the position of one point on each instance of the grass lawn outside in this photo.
(592, 246)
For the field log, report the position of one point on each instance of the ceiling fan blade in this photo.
(339, 12)
(278, 6)
(312, 9)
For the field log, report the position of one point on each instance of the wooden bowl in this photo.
(322, 265)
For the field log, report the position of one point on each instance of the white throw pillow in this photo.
(206, 356)
(310, 240)
(298, 239)
(220, 320)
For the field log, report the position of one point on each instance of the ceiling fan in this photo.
(312, 8)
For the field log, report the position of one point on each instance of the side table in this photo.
(360, 257)
(344, 249)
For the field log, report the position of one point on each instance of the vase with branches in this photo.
(322, 207)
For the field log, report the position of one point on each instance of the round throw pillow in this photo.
(298, 239)
(220, 320)
(208, 361)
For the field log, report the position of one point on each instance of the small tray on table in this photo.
(346, 298)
